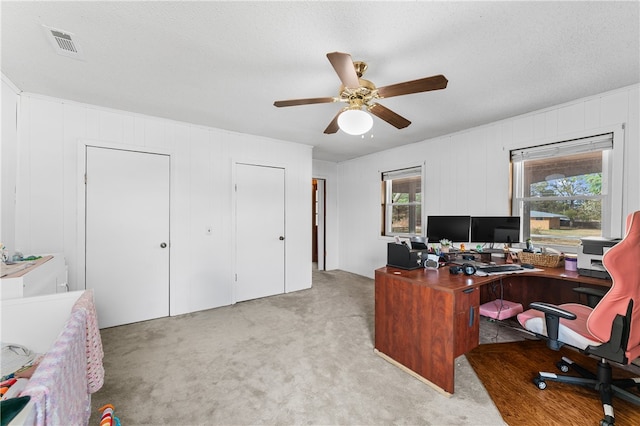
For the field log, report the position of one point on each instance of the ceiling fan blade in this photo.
(333, 126)
(343, 65)
(389, 116)
(294, 102)
(415, 86)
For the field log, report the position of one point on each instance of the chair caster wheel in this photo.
(607, 421)
(562, 366)
(541, 384)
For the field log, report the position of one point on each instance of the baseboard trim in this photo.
(411, 372)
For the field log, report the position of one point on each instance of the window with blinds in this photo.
(402, 202)
(564, 191)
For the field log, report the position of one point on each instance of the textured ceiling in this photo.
(222, 64)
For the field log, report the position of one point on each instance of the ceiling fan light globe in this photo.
(355, 122)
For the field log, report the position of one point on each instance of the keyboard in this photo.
(499, 268)
(467, 262)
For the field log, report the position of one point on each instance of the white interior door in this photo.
(260, 243)
(127, 234)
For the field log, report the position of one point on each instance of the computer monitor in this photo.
(495, 229)
(453, 228)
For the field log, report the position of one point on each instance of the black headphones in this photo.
(467, 269)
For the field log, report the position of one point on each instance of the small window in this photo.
(564, 191)
(402, 202)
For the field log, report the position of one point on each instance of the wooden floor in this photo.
(507, 370)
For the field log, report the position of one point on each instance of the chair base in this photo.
(602, 382)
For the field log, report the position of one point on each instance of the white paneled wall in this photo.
(40, 209)
(468, 172)
(49, 201)
(8, 153)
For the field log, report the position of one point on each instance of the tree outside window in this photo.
(564, 208)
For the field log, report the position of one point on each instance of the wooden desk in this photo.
(425, 318)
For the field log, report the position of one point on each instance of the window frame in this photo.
(612, 177)
(388, 204)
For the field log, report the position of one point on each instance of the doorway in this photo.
(127, 207)
(318, 213)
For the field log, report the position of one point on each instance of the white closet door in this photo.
(127, 234)
(260, 243)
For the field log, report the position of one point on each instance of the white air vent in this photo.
(64, 42)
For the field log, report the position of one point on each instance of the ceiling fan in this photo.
(359, 93)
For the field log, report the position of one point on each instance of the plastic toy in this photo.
(107, 418)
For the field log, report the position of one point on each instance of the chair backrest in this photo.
(622, 262)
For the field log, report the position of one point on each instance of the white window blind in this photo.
(575, 146)
(402, 173)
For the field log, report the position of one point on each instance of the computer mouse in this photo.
(481, 274)
(527, 265)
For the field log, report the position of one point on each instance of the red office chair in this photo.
(610, 330)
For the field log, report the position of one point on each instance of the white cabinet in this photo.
(47, 275)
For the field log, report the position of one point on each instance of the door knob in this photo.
(163, 245)
(281, 238)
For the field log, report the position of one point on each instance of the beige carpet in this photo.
(300, 358)
(507, 370)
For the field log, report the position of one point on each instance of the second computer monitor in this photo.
(452, 228)
(495, 229)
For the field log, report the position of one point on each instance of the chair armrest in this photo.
(552, 315)
(593, 295)
(548, 308)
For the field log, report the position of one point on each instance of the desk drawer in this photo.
(467, 298)
(467, 326)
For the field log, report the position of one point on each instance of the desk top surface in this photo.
(20, 268)
(443, 280)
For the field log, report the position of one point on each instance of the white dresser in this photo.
(47, 275)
